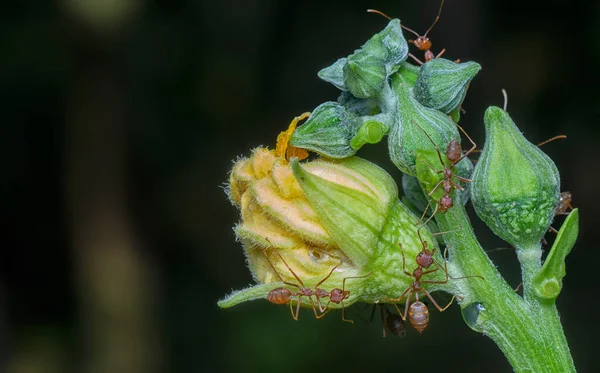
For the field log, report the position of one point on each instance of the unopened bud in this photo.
(516, 187)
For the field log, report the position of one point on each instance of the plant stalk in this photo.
(528, 329)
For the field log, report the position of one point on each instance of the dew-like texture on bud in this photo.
(516, 186)
(415, 123)
(442, 84)
(364, 74)
(328, 131)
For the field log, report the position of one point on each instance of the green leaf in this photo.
(547, 283)
(259, 291)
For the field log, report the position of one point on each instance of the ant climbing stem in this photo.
(455, 154)
(417, 312)
(422, 42)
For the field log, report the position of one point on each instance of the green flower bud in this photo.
(415, 123)
(547, 283)
(320, 215)
(442, 84)
(364, 74)
(516, 187)
(328, 131)
(334, 74)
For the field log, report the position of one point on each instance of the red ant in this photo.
(455, 154)
(284, 295)
(390, 320)
(422, 42)
(564, 204)
(418, 313)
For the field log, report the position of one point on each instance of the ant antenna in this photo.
(505, 98)
(410, 30)
(552, 139)
(436, 18)
(379, 12)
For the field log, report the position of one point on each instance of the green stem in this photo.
(527, 330)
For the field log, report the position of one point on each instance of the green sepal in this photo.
(413, 192)
(259, 291)
(364, 74)
(359, 106)
(547, 283)
(371, 132)
(334, 74)
(442, 84)
(455, 115)
(328, 131)
(406, 74)
(354, 218)
(516, 186)
(415, 122)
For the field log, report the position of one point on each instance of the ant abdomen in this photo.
(418, 315)
(279, 296)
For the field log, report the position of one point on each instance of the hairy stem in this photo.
(527, 330)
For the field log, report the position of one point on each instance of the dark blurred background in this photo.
(121, 119)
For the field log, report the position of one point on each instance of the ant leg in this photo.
(433, 142)
(395, 300)
(435, 188)
(415, 58)
(551, 229)
(288, 267)
(295, 315)
(406, 306)
(437, 206)
(425, 212)
(330, 272)
(441, 53)
(383, 320)
(472, 142)
(404, 263)
(435, 303)
(343, 314)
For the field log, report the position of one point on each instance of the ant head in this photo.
(445, 203)
(425, 258)
(337, 295)
(423, 43)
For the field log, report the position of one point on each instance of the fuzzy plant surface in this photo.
(324, 229)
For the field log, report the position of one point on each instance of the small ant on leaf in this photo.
(422, 42)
